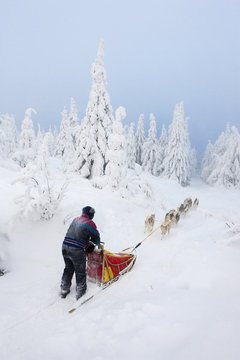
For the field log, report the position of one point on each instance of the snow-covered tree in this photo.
(65, 145)
(158, 167)
(64, 136)
(131, 147)
(139, 139)
(3, 144)
(96, 126)
(8, 136)
(55, 133)
(221, 162)
(230, 171)
(27, 140)
(207, 161)
(74, 122)
(116, 169)
(193, 162)
(39, 137)
(41, 198)
(150, 147)
(212, 160)
(177, 162)
(50, 142)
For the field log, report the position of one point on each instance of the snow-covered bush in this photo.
(135, 186)
(41, 198)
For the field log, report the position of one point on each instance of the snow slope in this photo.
(180, 301)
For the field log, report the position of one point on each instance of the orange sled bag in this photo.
(104, 267)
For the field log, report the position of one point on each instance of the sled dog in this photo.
(149, 223)
(165, 227)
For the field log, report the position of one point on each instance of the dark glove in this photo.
(89, 247)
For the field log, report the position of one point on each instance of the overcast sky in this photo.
(157, 53)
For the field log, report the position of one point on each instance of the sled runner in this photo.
(104, 267)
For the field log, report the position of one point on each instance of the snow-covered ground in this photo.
(181, 301)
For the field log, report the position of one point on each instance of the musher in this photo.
(81, 237)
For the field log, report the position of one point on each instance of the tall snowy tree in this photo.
(150, 147)
(230, 171)
(206, 166)
(50, 142)
(139, 139)
(158, 168)
(116, 169)
(27, 140)
(177, 163)
(74, 122)
(96, 126)
(3, 144)
(8, 135)
(65, 147)
(193, 162)
(131, 147)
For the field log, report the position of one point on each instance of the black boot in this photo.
(64, 293)
(80, 294)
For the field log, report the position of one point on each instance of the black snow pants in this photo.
(75, 261)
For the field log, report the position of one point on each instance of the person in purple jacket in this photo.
(81, 236)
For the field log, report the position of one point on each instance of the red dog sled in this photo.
(105, 267)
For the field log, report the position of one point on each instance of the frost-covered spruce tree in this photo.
(150, 147)
(212, 159)
(39, 137)
(223, 166)
(230, 171)
(65, 146)
(177, 163)
(64, 135)
(193, 162)
(221, 144)
(74, 122)
(131, 147)
(50, 142)
(158, 168)
(116, 169)
(207, 161)
(3, 144)
(96, 126)
(55, 133)
(27, 140)
(8, 135)
(139, 139)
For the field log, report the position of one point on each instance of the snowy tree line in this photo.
(102, 150)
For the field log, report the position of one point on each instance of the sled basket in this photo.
(104, 266)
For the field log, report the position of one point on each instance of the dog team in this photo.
(171, 218)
